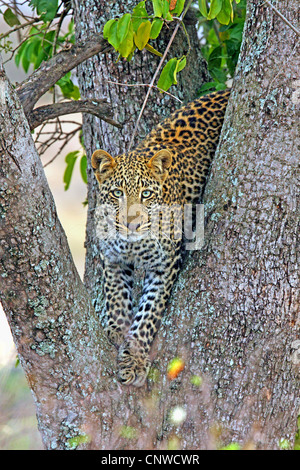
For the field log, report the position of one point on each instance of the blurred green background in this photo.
(18, 424)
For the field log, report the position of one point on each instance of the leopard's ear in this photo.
(103, 164)
(159, 163)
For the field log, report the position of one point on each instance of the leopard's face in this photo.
(131, 188)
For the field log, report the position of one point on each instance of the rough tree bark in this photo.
(234, 313)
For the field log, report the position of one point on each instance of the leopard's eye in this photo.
(146, 193)
(117, 193)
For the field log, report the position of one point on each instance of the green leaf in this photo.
(203, 8)
(25, 62)
(226, 13)
(10, 18)
(127, 46)
(178, 8)
(157, 7)
(156, 26)
(165, 8)
(207, 88)
(215, 57)
(70, 161)
(139, 14)
(123, 26)
(152, 50)
(218, 74)
(83, 167)
(166, 78)
(68, 89)
(181, 63)
(107, 27)
(215, 8)
(142, 36)
(140, 10)
(113, 36)
(45, 8)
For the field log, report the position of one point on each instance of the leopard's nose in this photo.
(133, 226)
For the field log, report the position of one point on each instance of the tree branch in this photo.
(39, 82)
(99, 108)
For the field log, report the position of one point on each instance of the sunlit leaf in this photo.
(139, 14)
(215, 8)
(232, 446)
(166, 78)
(123, 27)
(157, 7)
(107, 27)
(165, 8)
(74, 442)
(142, 36)
(113, 36)
(156, 27)
(152, 50)
(126, 46)
(181, 63)
(203, 8)
(226, 13)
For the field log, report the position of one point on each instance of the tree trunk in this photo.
(233, 317)
(48, 308)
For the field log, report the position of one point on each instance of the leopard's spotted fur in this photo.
(172, 165)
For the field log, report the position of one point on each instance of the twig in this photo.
(286, 21)
(156, 72)
(69, 136)
(147, 85)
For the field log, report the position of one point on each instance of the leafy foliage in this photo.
(46, 9)
(222, 23)
(42, 42)
(222, 39)
(41, 46)
(134, 31)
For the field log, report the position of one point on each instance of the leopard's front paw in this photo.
(133, 365)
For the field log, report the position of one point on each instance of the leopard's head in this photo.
(132, 186)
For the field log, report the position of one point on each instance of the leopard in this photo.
(168, 170)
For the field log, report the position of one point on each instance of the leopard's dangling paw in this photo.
(133, 365)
